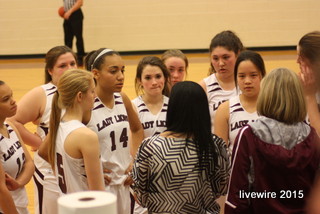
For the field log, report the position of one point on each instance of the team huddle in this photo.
(179, 146)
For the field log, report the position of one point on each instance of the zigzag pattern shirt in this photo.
(168, 179)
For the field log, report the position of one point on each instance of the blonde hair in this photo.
(70, 84)
(175, 53)
(281, 97)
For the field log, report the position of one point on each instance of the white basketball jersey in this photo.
(45, 181)
(216, 95)
(239, 117)
(43, 127)
(70, 172)
(12, 159)
(152, 124)
(112, 127)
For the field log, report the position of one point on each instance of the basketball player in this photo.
(71, 148)
(220, 85)
(177, 64)
(152, 81)
(113, 117)
(232, 115)
(14, 157)
(35, 106)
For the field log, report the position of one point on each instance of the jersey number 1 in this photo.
(123, 139)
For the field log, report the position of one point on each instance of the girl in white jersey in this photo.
(232, 115)
(113, 117)
(152, 82)
(220, 85)
(14, 157)
(35, 107)
(71, 148)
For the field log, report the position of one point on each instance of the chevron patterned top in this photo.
(168, 178)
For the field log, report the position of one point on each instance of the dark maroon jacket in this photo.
(272, 177)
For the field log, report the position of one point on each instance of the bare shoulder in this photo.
(83, 134)
(127, 102)
(224, 105)
(37, 91)
(223, 109)
(203, 85)
(36, 97)
(125, 98)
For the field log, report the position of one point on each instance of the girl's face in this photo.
(111, 76)
(88, 101)
(64, 62)
(302, 61)
(152, 80)
(8, 106)
(177, 68)
(89, 96)
(223, 61)
(248, 78)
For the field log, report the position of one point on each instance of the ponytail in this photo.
(53, 128)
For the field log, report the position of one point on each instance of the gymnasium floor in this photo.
(24, 74)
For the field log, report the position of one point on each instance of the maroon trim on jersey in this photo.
(39, 188)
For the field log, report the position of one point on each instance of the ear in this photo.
(96, 73)
(79, 96)
(50, 72)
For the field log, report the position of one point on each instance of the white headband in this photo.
(100, 54)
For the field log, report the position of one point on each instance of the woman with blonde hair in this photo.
(71, 148)
(277, 156)
(177, 64)
(35, 107)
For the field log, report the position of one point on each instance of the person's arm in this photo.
(136, 128)
(30, 109)
(310, 86)
(27, 171)
(91, 156)
(6, 202)
(239, 180)
(44, 149)
(74, 8)
(221, 122)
